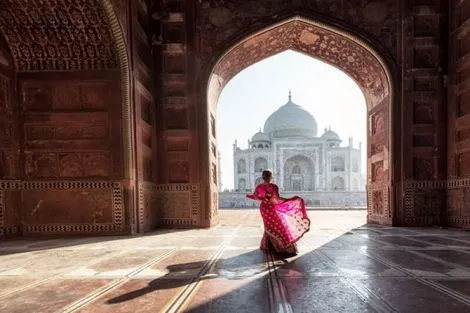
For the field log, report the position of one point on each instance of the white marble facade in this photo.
(301, 160)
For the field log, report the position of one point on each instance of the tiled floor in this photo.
(344, 266)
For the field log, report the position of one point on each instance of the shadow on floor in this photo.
(27, 244)
(315, 280)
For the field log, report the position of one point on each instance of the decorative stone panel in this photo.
(424, 202)
(67, 207)
(179, 205)
(378, 203)
(220, 21)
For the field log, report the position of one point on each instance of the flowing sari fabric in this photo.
(285, 221)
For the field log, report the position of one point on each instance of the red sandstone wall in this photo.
(458, 158)
(423, 63)
(145, 218)
(71, 133)
(65, 102)
(9, 143)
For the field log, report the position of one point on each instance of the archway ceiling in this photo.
(334, 48)
(58, 35)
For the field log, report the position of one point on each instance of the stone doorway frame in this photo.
(379, 90)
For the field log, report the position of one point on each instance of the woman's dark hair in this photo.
(267, 175)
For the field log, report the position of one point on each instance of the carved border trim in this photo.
(141, 208)
(127, 111)
(425, 184)
(117, 206)
(458, 183)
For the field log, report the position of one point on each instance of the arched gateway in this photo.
(107, 108)
(343, 50)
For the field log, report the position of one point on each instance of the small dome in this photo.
(330, 135)
(291, 120)
(260, 136)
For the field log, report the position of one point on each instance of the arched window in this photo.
(242, 184)
(261, 164)
(260, 146)
(241, 166)
(296, 169)
(337, 183)
(337, 164)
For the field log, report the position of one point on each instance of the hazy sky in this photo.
(250, 97)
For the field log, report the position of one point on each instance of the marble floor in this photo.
(344, 266)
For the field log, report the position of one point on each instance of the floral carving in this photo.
(220, 20)
(300, 35)
(58, 35)
(377, 202)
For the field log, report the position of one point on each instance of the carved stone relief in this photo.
(324, 44)
(222, 20)
(378, 172)
(378, 123)
(58, 35)
(377, 202)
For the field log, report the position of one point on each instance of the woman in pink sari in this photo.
(285, 220)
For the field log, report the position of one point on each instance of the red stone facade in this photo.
(108, 107)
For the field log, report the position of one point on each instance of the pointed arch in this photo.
(344, 50)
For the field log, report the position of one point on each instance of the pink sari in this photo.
(285, 221)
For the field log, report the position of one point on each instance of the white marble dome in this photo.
(330, 135)
(260, 136)
(291, 120)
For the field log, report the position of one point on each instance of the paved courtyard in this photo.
(344, 266)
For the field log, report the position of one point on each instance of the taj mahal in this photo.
(318, 168)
